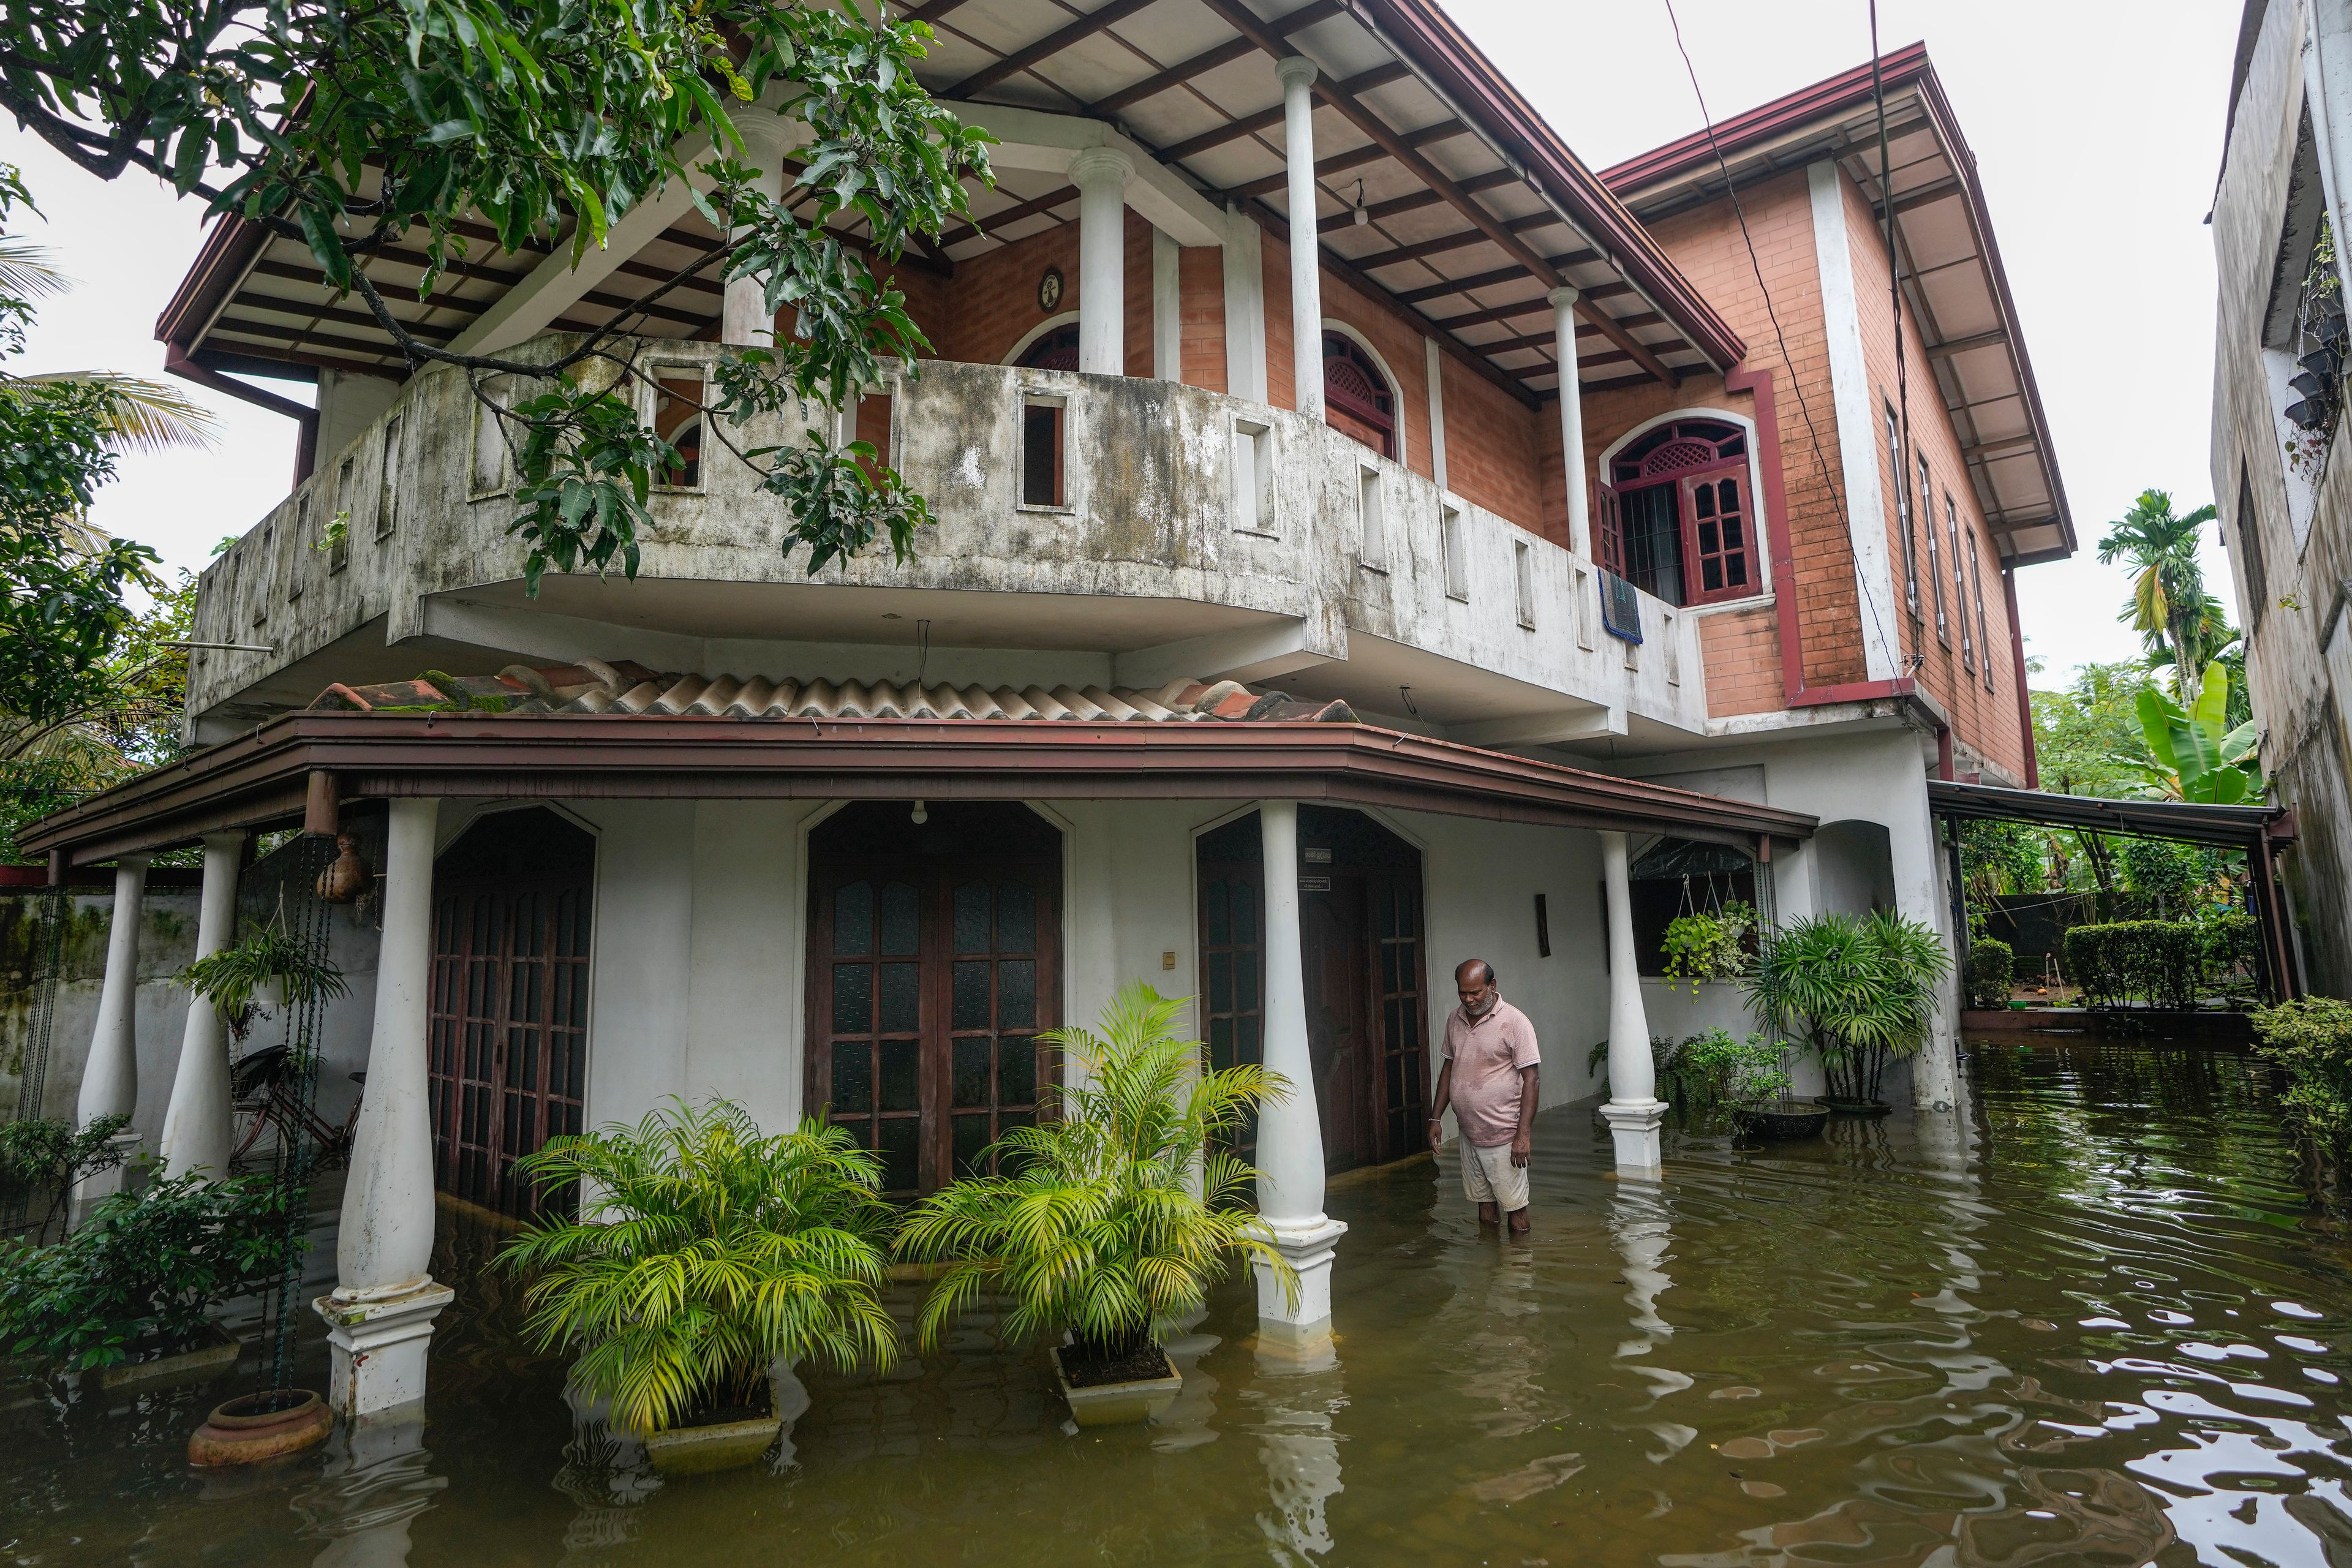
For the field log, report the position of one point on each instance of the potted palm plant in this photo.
(705, 1254)
(1859, 990)
(1112, 1218)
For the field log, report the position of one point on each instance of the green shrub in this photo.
(1730, 1072)
(42, 1160)
(2231, 941)
(2311, 1040)
(2161, 962)
(1992, 970)
(141, 1273)
(706, 1253)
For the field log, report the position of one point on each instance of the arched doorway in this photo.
(507, 1044)
(1054, 349)
(934, 958)
(1361, 951)
(1356, 397)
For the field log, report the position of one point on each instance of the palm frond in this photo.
(143, 416)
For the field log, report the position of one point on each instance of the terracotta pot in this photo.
(347, 881)
(253, 1427)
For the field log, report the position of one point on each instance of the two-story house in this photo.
(1521, 553)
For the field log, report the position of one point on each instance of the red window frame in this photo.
(1705, 460)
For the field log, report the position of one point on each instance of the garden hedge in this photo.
(1992, 969)
(2161, 962)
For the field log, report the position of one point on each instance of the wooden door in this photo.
(507, 1047)
(1337, 965)
(934, 961)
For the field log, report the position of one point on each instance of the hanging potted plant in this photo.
(1708, 944)
(1113, 1218)
(1859, 990)
(706, 1253)
(268, 967)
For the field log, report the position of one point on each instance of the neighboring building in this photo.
(2278, 412)
(1241, 562)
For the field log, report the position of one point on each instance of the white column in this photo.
(1167, 306)
(1101, 176)
(109, 1081)
(381, 1315)
(197, 1125)
(744, 318)
(1572, 420)
(1290, 1134)
(1634, 1109)
(1435, 359)
(1297, 75)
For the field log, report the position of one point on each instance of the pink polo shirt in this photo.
(1487, 1054)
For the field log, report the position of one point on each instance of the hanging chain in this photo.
(298, 1149)
(47, 954)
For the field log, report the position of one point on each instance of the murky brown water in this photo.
(2093, 1323)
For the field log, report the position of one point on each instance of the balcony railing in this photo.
(1044, 482)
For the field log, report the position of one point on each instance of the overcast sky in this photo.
(2096, 129)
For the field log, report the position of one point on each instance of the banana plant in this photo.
(2196, 757)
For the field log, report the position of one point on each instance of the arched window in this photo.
(1356, 397)
(1675, 520)
(1056, 350)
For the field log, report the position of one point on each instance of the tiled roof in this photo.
(593, 685)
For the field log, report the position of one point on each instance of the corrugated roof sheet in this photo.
(593, 685)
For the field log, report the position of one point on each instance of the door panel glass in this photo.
(853, 921)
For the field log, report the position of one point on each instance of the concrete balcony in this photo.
(1176, 532)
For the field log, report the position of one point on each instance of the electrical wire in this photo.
(1796, 383)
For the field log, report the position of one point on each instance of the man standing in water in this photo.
(1490, 1079)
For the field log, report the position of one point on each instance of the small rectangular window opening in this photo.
(1674, 649)
(678, 420)
(1371, 514)
(339, 553)
(387, 510)
(1043, 472)
(269, 557)
(1579, 610)
(1935, 571)
(1523, 582)
(1984, 636)
(1253, 477)
(1903, 511)
(1452, 551)
(301, 549)
(2249, 554)
(489, 475)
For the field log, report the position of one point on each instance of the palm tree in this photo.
(141, 416)
(2169, 605)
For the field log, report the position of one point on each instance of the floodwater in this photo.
(2093, 1320)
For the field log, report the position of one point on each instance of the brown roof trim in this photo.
(233, 243)
(1844, 93)
(1424, 32)
(259, 779)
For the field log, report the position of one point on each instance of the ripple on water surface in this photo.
(2092, 1320)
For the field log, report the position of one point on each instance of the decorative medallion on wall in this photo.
(1049, 291)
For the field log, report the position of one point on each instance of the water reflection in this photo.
(2090, 1318)
(378, 1479)
(1298, 1394)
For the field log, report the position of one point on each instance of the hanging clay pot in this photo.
(347, 881)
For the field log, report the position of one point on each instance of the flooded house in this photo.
(1538, 550)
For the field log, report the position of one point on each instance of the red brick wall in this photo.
(1742, 647)
(1201, 307)
(992, 302)
(1137, 320)
(1986, 719)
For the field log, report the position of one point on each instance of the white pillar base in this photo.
(96, 1188)
(378, 1348)
(1633, 1127)
(1308, 1245)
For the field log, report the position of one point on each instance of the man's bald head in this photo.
(1473, 978)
